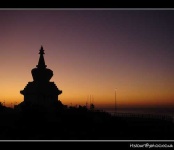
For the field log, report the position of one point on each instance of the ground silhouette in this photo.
(34, 122)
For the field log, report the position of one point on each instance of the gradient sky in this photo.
(91, 52)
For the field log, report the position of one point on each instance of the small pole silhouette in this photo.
(115, 102)
(87, 101)
(90, 100)
(86, 104)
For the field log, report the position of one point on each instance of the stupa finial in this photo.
(41, 62)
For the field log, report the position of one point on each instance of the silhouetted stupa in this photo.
(41, 91)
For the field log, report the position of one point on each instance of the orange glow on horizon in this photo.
(100, 102)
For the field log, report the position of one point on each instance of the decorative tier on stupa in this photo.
(41, 91)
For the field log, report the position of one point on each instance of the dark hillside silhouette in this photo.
(34, 122)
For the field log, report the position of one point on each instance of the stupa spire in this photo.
(41, 62)
(41, 73)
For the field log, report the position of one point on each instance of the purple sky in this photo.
(91, 52)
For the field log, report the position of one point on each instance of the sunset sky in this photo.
(91, 52)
